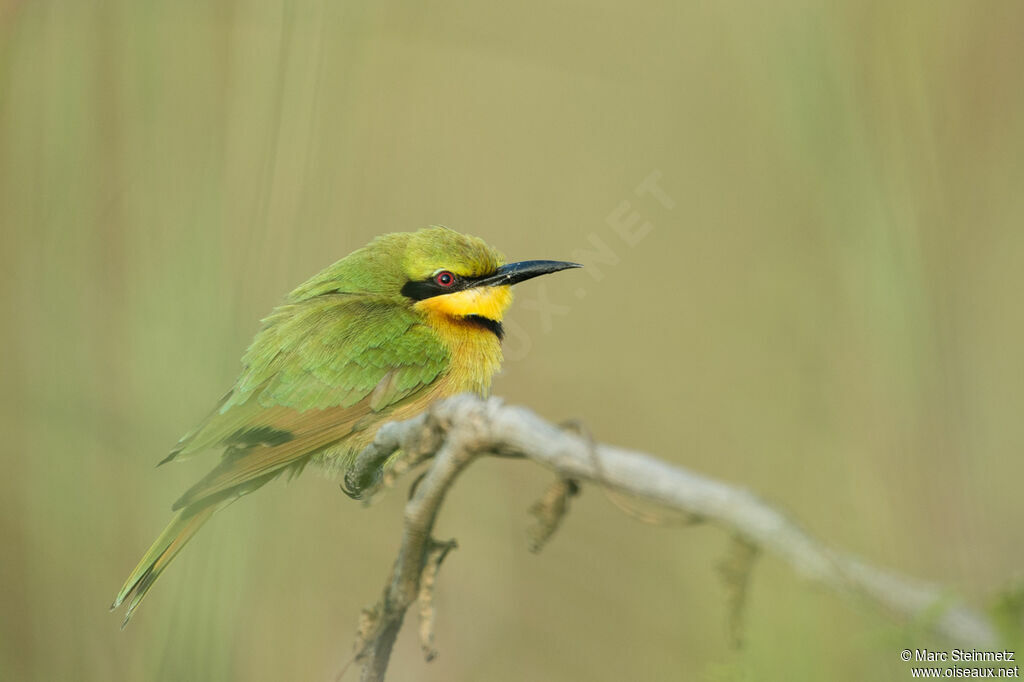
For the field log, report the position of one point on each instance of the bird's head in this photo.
(437, 271)
(460, 277)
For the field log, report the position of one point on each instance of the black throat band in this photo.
(487, 323)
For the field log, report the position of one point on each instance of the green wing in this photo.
(319, 354)
(315, 370)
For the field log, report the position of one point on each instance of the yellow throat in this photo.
(458, 319)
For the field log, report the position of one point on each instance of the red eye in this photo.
(444, 278)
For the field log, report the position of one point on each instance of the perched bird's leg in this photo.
(365, 474)
(414, 453)
(388, 457)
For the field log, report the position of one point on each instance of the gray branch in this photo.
(458, 430)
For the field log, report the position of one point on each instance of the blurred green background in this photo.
(826, 309)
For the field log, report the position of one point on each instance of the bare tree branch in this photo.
(462, 428)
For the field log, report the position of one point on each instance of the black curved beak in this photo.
(513, 273)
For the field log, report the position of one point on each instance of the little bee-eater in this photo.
(378, 336)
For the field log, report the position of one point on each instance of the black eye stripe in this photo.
(418, 291)
(429, 288)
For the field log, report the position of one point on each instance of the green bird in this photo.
(406, 320)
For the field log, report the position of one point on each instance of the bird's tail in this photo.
(177, 533)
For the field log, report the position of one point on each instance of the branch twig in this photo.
(464, 427)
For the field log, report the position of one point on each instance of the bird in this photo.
(410, 318)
